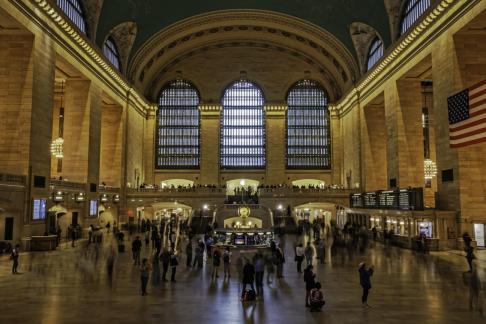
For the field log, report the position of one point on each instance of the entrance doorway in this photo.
(479, 234)
(9, 221)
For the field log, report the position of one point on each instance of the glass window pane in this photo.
(308, 133)
(413, 10)
(243, 127)
(177, 144)
(74, 11)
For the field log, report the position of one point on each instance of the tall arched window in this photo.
(243, 126)
(74, 10)
(308, 130)
(413, 10)
(178, 126)
(374, 53)
(111, 52)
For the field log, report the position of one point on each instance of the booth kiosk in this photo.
(242, 230)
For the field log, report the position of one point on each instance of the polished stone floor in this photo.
(67, 286)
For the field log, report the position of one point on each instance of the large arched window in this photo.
(375, 53)
(111, 52)
(74, 10)
(178, 126)
(308, 130)
(413, 10)
(243, 127)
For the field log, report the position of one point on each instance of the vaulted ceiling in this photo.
(326, 39)
(335, 16)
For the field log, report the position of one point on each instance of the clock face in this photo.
(244, 212)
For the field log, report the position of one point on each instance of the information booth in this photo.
(244, 230)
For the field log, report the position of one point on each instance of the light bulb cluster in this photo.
(57, 148)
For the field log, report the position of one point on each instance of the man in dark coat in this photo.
(248, 275)
(365, 281)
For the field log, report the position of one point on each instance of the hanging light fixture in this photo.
(430, 169)
(57, 145)
(56, 148)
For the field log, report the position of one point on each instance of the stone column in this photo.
(149, 145)
(111, 145)
(373, 143)
(405, 149)
(275, 142)
(336, 148)
(209, 133)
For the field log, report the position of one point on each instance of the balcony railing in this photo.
(12, 179)
(62, 184)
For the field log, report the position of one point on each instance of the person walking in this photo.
(216, 262)
(165, 258)
(144, 275)
(173, 265)
(73, 236)
(299, 256)
(259, 273)
(269, 264)
(136, 248)
(470, 257)
(321, 251)
(110, 265)
(280, 258)
(227, 262)
(365, 281)
(90, 234)
(309, 254)
(155, 270)
(15, 258)
(189, 254)
(309, 279)
(248, 275)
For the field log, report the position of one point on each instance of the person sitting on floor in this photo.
(316, 298)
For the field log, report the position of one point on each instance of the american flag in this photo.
(467, 116)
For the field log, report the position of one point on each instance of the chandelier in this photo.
(430, 169)
(56, 147)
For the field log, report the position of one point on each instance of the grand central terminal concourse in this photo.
(245, 161)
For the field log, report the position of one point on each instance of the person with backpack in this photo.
(316, 298)
(15, 258)
(227, 262)
(309, 254)
(216, 262)
(365, 281)
(309, 279)
(248, 275)
(136, 248)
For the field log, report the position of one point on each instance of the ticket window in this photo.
(425, 228)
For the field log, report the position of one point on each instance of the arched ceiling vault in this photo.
(279, 35)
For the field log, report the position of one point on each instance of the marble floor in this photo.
(67, 286)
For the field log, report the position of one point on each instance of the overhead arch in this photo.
(279, 34)
(362, 36)
(124, 35)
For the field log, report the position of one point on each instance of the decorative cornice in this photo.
(83, 45)
(410, 44)
(275, 110)
(210, 110)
